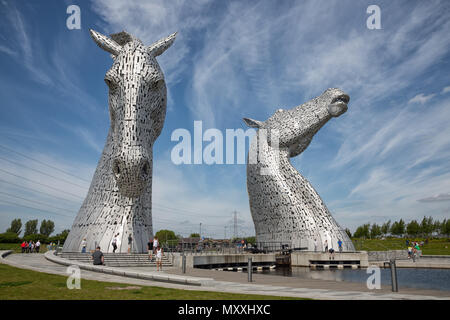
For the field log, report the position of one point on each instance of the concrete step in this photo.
(117, 259)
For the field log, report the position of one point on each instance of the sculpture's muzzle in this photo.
(338, 105)
(132, 175)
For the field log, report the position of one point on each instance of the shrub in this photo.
(9, 237)
(35, 237)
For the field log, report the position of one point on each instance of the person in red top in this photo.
(23, 246)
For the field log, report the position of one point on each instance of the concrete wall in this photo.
(391, 254)
(302, 259)
(197, 260)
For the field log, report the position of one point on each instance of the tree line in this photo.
(426, 228)
(31, 232)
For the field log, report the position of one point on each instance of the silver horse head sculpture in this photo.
(118, 204)
(285, 208)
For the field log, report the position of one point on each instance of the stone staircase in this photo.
(118, 259)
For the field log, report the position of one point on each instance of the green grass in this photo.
(434, 246)
(17, 249)
(21, 284)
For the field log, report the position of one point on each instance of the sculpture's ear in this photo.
(252, 123)
(162, 45)
(105, 43)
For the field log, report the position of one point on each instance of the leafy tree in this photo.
(445, 229)
(398, 228)
(251, 240)
(16, 227)
(165, 235)
(386, 227)
(31, 227)
(348, 232)
(375, 231)
(61, 237)
(194, 235)
(362, 231)
(47, 227)
(437, 226)
(426, 226)
(413, 228)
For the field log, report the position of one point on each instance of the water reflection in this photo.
(436, 279)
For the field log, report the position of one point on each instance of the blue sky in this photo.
(386, 158)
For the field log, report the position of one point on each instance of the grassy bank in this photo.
(21, 284)
(15, 247)
(434, 246)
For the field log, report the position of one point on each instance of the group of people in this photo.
(330, 249)
(413, 248)
(152, 246)
(31, 247)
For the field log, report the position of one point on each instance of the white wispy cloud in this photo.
(445, 90)
(439, 197)
(421, 98)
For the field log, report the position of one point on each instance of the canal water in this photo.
(436, 279)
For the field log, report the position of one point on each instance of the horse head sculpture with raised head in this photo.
(285, 207)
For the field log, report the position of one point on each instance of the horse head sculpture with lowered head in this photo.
(137, 106)
(118, 204)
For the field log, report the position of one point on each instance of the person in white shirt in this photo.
(38, 246)
(159, 253)
(155, 244)
(83, 246)
(114, 243)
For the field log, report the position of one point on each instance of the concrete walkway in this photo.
(233, 282)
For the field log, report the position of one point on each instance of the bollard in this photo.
(183, 263)
(249, 269)
(394, 276)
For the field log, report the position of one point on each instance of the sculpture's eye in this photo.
(157, 85)
(112, 85)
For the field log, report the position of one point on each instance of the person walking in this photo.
(114, 243)
(38, 246)
(83, 246)
(315, 245)
(326, 245)
(130, 243)
(98, 257)
(340, 245)
(159, 253)
(150, 249)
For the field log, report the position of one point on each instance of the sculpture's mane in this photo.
(123, 37)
